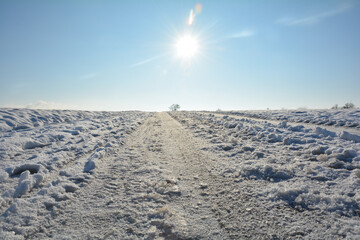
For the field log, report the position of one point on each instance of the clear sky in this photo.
(122, 55)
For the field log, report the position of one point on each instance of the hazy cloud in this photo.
(7, 105)
(242, 34)
(88, 76)
(49, 105)
(41, 104)
(314, 19)
(147, 60)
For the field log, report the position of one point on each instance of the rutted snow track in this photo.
(149, 188)
(199, 176)
(299, 182)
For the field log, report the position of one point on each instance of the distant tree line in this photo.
(348, 105)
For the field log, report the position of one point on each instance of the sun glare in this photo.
(186, 47)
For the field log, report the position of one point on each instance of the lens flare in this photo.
(191, 18)
(198, 8)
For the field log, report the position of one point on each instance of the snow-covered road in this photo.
(187, 175)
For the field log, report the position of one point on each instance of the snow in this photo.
(52, 160)
(47, 155)
(93, 159)
(351, 137)
(27, 182)
(336, 117)
(308, 168)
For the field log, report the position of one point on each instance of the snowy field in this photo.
(262, 175)
(335, 117)
(47, 155)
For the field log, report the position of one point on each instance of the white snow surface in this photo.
(49, 156)
(309, 169)
(46, 155)
(334, 117)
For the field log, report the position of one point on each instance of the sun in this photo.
(186, 47)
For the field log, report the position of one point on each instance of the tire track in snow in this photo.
(137, 194)
(228, 201)
(259, 215)
(164, 184)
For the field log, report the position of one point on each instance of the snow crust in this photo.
(48, 155)
(335, 117)
(288, 160)
(309, 169)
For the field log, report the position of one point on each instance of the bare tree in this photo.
(335, 106)
(348, 105)
(174, 107)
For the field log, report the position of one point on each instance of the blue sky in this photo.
(121, 55)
